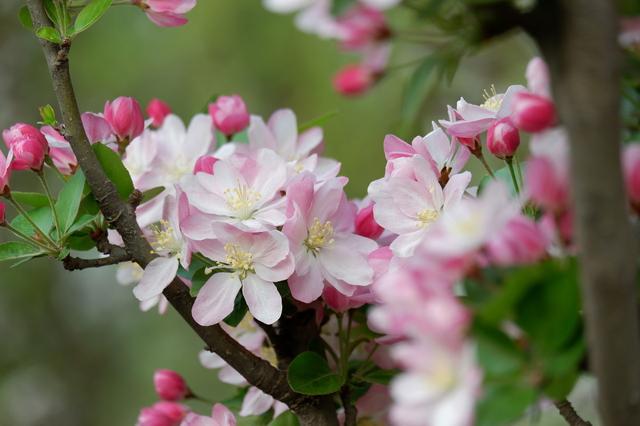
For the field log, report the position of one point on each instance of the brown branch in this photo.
(77, 264)
(569, 414)
(311, 410)
(579, 40)
(350, 410)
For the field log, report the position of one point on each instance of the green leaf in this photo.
(198, 280)
(25, 18)
(503, 175)
(504, 403)
(41, 216)
(15, 250)
(419, 84)
(309, 374)
(379, 376)
(497, 354)
(50, 34)
(90, 14)
(285, 419)
(339, 7)
(32, 199)
(317, 121)
(48, 115)
(240, 309)
(80, 242)
(150, 194)
(69, 201)
(115, 170)
(81, 223)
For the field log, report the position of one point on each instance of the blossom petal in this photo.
(255, 402)
(216, 299)
(263, 299)
(157, 275)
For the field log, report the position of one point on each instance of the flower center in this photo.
(239, 260)
(241, 200)
(426, 217)
(319, 235)
(164, 239)
(492, 100)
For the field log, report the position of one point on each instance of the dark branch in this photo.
(122, 216)
(569, 414)
(350, 410)
(77, 264)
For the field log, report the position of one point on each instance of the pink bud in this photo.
(96, 127)
(170, 385)
(5, 171)
(503, 138)
(124, 115)
(150, 416)
(229, 114)
(157, 111)
(28, 145)
(361, 26)
(520, 241)
(366, 224)
(353, 80)
(2, 213)
(205, 164)
(172, 410)
(166, 13)
(533, 113)
(60, 151)
(631, 166)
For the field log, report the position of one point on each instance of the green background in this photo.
(75, 349)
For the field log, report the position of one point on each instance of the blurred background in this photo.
(75, 348)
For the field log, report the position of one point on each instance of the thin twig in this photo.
(77, 264)
(569, 414)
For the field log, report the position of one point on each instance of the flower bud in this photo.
(631, 167)
(28, 145)
(97, 128)
(533, 113)
(150, 416)
(172, 410)
(5, 171)
(157, 111)
(166, 13)
(170, 385)
(229, 114)
(60, 151)
(366, 224)
(353, 80)
(503, 138)
(2, 213)
(521, 241)
(546, 185)
(361, 26)
(205, 164)
(124, 115)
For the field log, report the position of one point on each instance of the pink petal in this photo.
(157, 275)
(263, 299)
(255, 402)
(216, 298)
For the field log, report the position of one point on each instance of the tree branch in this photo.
(569, 414)
(311, 410)
(77, 264)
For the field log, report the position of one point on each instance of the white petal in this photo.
(216, 299)
(263, 299)
(157, 275)
(255, 402)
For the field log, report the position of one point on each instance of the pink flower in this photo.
(440, 387)
(503, 138)
(631, 167)
(251, 262)
(245, 195)
(170, 385)
(408, 204)
(3, 208)
(166, 13)
(229, 114)
(97, 128)
(220, 416)
(28, 145)
(320, 232)
(533, 113)
(5, 171)
(60, 151)
(353, 80)
(366, 224)
(157, 110)
(205, 164)
(361, 26)
(163, 413)
(521, 241)
(124, 115)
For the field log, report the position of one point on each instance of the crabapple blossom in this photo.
(246, 196)
(220, 416)
(320, 231)
(520, 242)
(97, 128)
(408, 205)
(503, 138)
(5, 171)
(60, 151)
(366, 224)
(158, 110)
(301, 151)
(129, 273)
(631, 168)
(229, 114)
(440, 385)
(533, 113)
(248, 261)
(124, 115)
(170, 385)
(166, 13)
(164, 413)
(205, 164)
(28, 146)
(362, 25)
(353, 80)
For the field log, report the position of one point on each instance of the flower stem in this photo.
(47, 191)
(509, 161)
(480, 156)
(26, 237)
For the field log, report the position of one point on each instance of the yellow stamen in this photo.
(319, 236)
(241, 200)
(239, 260)
(164, 239)
(426, 217)
(492, 100)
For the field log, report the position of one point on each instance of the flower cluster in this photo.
(359, 27)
